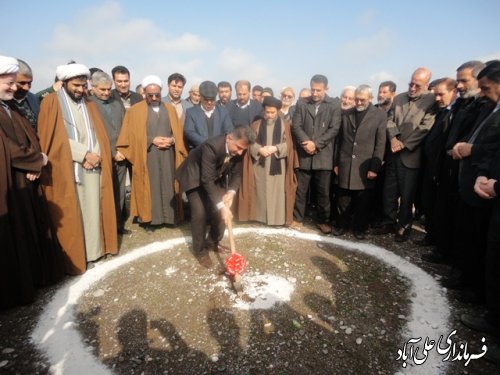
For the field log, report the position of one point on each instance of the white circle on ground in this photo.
(57, 336)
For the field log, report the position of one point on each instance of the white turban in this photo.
(65, 72)
(151, 80)
(8, 65)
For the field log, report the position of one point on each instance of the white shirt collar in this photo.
(244, 105)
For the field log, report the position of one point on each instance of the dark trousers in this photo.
(471, 230)
(354, 208)
(377, 214)
(446, 203)
(400, 184)
(119, 179)
(321, 179)
(493, 268)
(202, 213)
(428, 194)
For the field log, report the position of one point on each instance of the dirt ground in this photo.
(166, 314)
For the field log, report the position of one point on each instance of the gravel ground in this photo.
(345, 312)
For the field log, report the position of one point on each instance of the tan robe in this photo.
(133, 143)
(58, 183)
(259, 197)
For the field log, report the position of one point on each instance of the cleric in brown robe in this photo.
(267, 191)
(151, 139)
(30, 253)
(68, 123)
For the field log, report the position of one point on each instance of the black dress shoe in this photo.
(360, 235)
(402, 235)
(338, 231)
(149, 228)
(435, 257)
(425, 241)
(480, 324)
(123, 231)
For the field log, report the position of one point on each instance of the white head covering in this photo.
(8, 65)
(65, 72)
(151, 80)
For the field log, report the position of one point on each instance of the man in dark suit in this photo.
(315, 125)
(409, 121)
(210, 176)
(122, 92)
(206, 120)
(473, 212)
(358, 161)
(487, 187)
(458, 122)
(433, 154)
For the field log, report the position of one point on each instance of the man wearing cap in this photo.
(77, 181)
(30, 253)
(151, 139)
(267, 192)
(207, 120)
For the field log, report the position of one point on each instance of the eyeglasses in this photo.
(416, 85)
(153, 95)
(209, 99)
(285, 96)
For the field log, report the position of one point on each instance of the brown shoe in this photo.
(297, 225)
(204, 259)
(221, 249)
(325, 228)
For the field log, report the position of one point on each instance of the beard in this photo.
(20, 94)
(6, 96)
(76, 97)
(468, 94)
(384, 101)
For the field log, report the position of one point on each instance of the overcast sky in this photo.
(271, 43)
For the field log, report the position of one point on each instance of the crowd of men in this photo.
(65, 154)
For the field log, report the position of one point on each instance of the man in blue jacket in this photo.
(206, 120)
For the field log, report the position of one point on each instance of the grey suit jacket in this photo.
(112, 120)
(410, 122)
(321, 128)
(195, 125)
(361, 149)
